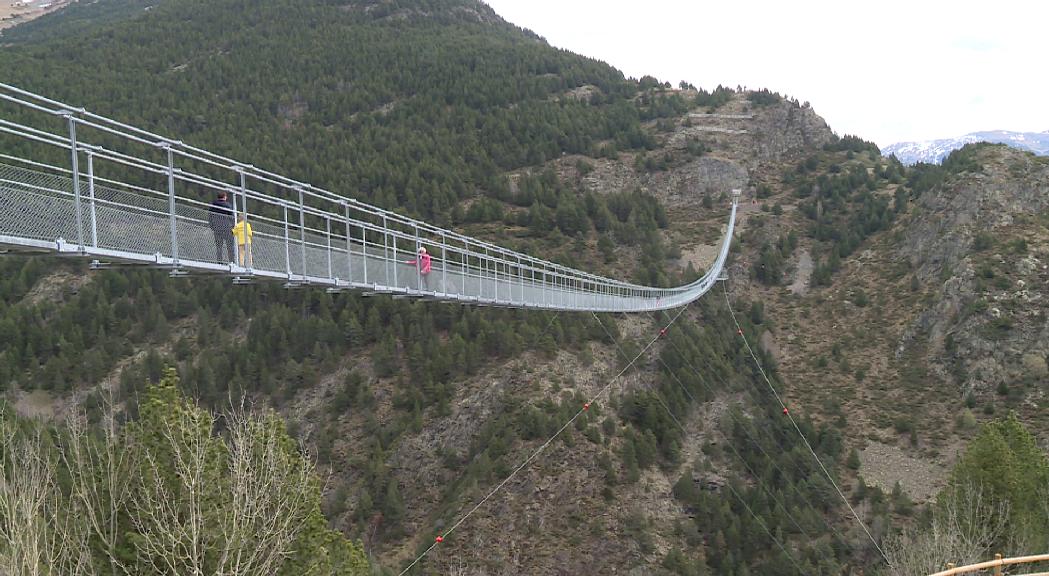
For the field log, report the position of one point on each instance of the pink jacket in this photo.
(423, 262)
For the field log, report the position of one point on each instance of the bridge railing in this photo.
(74, 181)
(996, 565)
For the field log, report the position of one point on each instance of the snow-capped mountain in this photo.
(934, 151)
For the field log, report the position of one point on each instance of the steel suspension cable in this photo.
(728, 484)
(804, 439)
(731, 447)
(710, 369)
(534, 342)
(539, 450)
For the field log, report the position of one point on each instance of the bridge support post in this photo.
(545, 288)
(75, 157)
(386, 251)
(327, 220)
(302, 233)
(393, 238)
(349, 246)
(531, 274)
(549, 283)
(418, 261)
(243, 192)
(364, 251)
(91, 197)
(444, 262)
(244, 211)
(171, 205)
(287, 243)
(464, 268)
(488, 272)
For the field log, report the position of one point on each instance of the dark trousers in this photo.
(224, 239)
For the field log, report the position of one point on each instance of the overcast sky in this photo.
(887, 70)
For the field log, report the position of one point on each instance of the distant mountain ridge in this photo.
(934, 151)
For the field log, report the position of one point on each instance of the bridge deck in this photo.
(156, 213)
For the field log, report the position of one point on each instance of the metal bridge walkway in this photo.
(73, 182)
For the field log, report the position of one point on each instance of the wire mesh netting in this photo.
(149, 204)
(134, 220)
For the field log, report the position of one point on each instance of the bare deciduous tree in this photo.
(965, 526)
(100, 477)
(39, 535)
(234, 508)
(268, 497)
(167, 504)
(188, 501)
(26, 482)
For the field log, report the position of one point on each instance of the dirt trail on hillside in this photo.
(14, 12)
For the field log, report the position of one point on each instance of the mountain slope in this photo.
(75, 18)
(445, 110)
(933, 322)
(464, 98)
(934, 151)
(442, 109)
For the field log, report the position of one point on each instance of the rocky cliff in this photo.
(981, 235)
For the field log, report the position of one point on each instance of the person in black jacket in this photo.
(220, 218)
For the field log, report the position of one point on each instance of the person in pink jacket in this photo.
(423, 264)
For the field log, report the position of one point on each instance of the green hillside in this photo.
(409, 104)
(442, 110)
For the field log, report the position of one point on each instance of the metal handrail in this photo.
(997, 563)
(177, 146)
(298, 239)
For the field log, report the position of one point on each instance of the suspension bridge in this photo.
(76, 183)
(79, 184)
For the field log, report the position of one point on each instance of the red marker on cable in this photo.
(785, 412)
(663, 332)
(439, 539)
(586, 406)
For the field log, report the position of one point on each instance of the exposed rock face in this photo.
(989, 319)
(740, 139)
(976, 202)
(786, 128)
(680, 186)
(387, 10)
(688, 184)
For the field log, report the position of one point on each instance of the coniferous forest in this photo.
(199, 410)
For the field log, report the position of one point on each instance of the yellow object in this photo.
(244, 252)
(242, 231)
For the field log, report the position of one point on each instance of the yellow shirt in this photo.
(242, 231)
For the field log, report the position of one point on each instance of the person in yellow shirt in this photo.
(242, 232)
